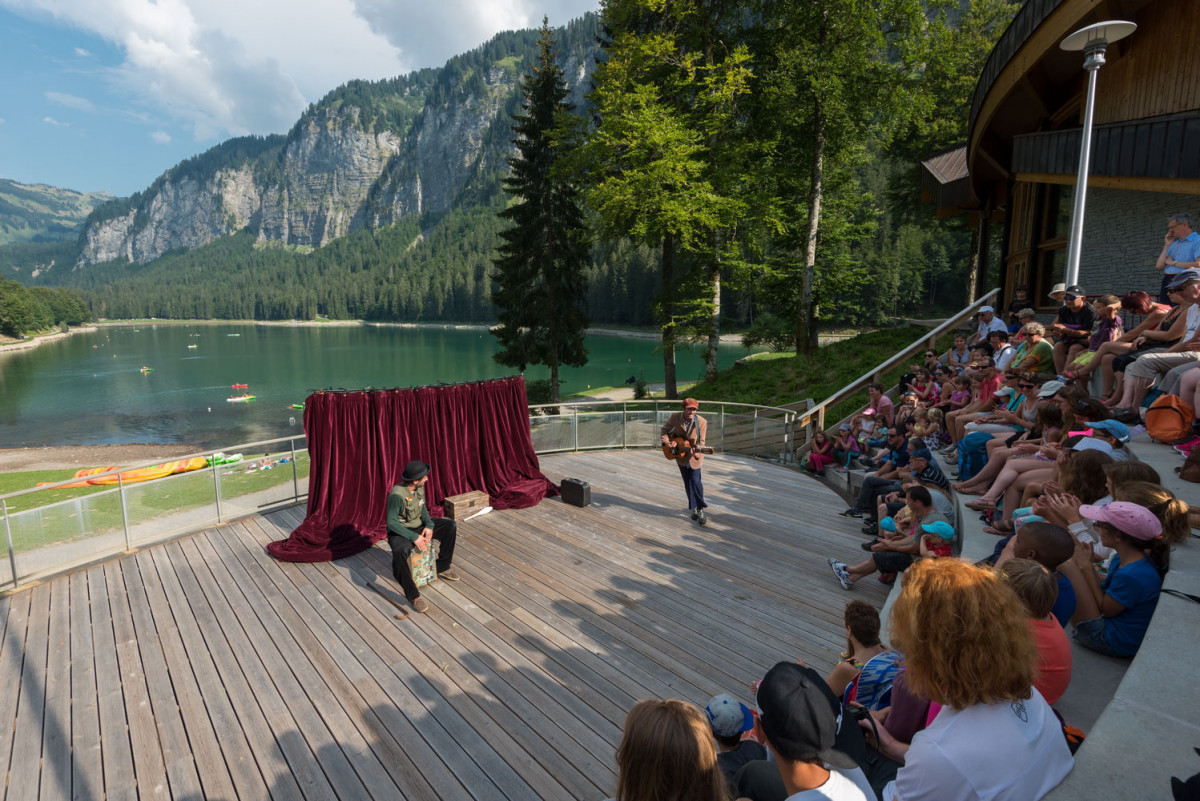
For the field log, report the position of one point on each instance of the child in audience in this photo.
(1038, 590)
(729, 719)
(820, 455)
(1112, 617)
(668, 744)
(936, 538)
(924, 387)
(845, 446)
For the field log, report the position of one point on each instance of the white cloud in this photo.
(231, 67)
(52, 121)
(71, 101)
(1, 120)
(79, 51)
(162, 137)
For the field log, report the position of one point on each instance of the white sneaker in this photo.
(843, 575)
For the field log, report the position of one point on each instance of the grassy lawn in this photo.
(780, 378)
(57, 521)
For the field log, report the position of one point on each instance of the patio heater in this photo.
(1093, 41)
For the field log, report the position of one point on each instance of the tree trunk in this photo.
(973, 269)
(714, 329)
(668, 315)
(554, 378)
(806, 323)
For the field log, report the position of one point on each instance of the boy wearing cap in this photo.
(818, 748)
(1072, 327)
(688, 424)
(895, 555)
(729, 719)
(409, 526)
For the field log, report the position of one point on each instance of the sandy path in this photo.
(79, 456)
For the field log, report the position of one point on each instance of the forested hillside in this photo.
(40, 213)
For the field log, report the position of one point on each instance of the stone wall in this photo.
(1123, 235)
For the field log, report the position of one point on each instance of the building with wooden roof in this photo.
(1016, 175)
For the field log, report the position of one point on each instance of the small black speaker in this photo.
(576, 492)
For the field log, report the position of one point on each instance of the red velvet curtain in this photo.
(474, 436)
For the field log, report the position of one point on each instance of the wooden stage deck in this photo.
(203, 668)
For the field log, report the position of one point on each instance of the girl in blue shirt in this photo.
(1112, 617)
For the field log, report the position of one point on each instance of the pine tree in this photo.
(539, 283)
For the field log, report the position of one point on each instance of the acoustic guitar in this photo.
(681, 449)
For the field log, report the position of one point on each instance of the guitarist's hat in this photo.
(691, 403)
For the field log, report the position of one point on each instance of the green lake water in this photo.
(88, 389)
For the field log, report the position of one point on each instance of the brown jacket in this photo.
(676, 427)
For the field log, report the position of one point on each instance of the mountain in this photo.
(380, 204)
(368, 155)
(41, 213)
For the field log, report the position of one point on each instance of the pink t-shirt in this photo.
(1054, 658)
(884, 408)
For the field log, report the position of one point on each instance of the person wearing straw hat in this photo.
(409, 527)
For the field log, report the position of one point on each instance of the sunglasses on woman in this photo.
(1027, 386)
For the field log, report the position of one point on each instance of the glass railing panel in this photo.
(642, 428)
(600, 430)
(552, 432)
(170, 506)
(65, 533)
(255, 484)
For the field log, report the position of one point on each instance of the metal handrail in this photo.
(814, 418)
(572, 410)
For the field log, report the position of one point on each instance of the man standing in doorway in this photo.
(1181, 250)
(690, 426)
(409, 526)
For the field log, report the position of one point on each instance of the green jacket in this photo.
(406, 512)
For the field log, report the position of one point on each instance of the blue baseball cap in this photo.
(1183, 277)
(888, 524)
(1115, 428)
(939, 527)
(921, 453)
(727, 716)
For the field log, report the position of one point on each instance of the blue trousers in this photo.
(692, 485)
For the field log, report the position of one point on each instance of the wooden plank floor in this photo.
(203, 668)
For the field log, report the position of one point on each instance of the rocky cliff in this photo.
(366, 155)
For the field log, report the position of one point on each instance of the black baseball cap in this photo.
(803, 720)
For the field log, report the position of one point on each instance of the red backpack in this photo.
(1169, 419)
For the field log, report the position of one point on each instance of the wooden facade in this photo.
(1023, 146)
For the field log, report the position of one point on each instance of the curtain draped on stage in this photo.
(474, 436)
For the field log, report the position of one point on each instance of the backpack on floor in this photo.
(1169, 419)
(972, 454)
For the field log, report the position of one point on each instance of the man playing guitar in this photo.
(687, 425)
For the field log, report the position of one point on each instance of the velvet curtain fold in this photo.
(474, 436)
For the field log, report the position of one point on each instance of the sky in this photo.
(105, 95)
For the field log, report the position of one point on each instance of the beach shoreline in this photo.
(67, 457)
(726, 339)
(30, 344)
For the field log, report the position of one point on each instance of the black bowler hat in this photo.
(414, 471)
(804, 720)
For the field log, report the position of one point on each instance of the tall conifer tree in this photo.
(539, 287)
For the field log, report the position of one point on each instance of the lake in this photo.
(89, 388)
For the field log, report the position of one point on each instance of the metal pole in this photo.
(1092, 63)
(575, 425)
(217, 488)
(722, 428)
(755, 444)
(12, 558)
(295, 472)
(624, 426)
(124, 512)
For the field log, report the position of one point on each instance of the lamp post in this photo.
(1093, 41)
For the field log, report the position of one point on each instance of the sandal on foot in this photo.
(980, 505)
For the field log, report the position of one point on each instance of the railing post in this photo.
(217, 487)
(722, 428)
(12, 557)
(575, 426)
(124, 512)
(624, 426)
(295, 472)
(754, 445)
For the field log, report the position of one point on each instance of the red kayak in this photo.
(238, 386)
